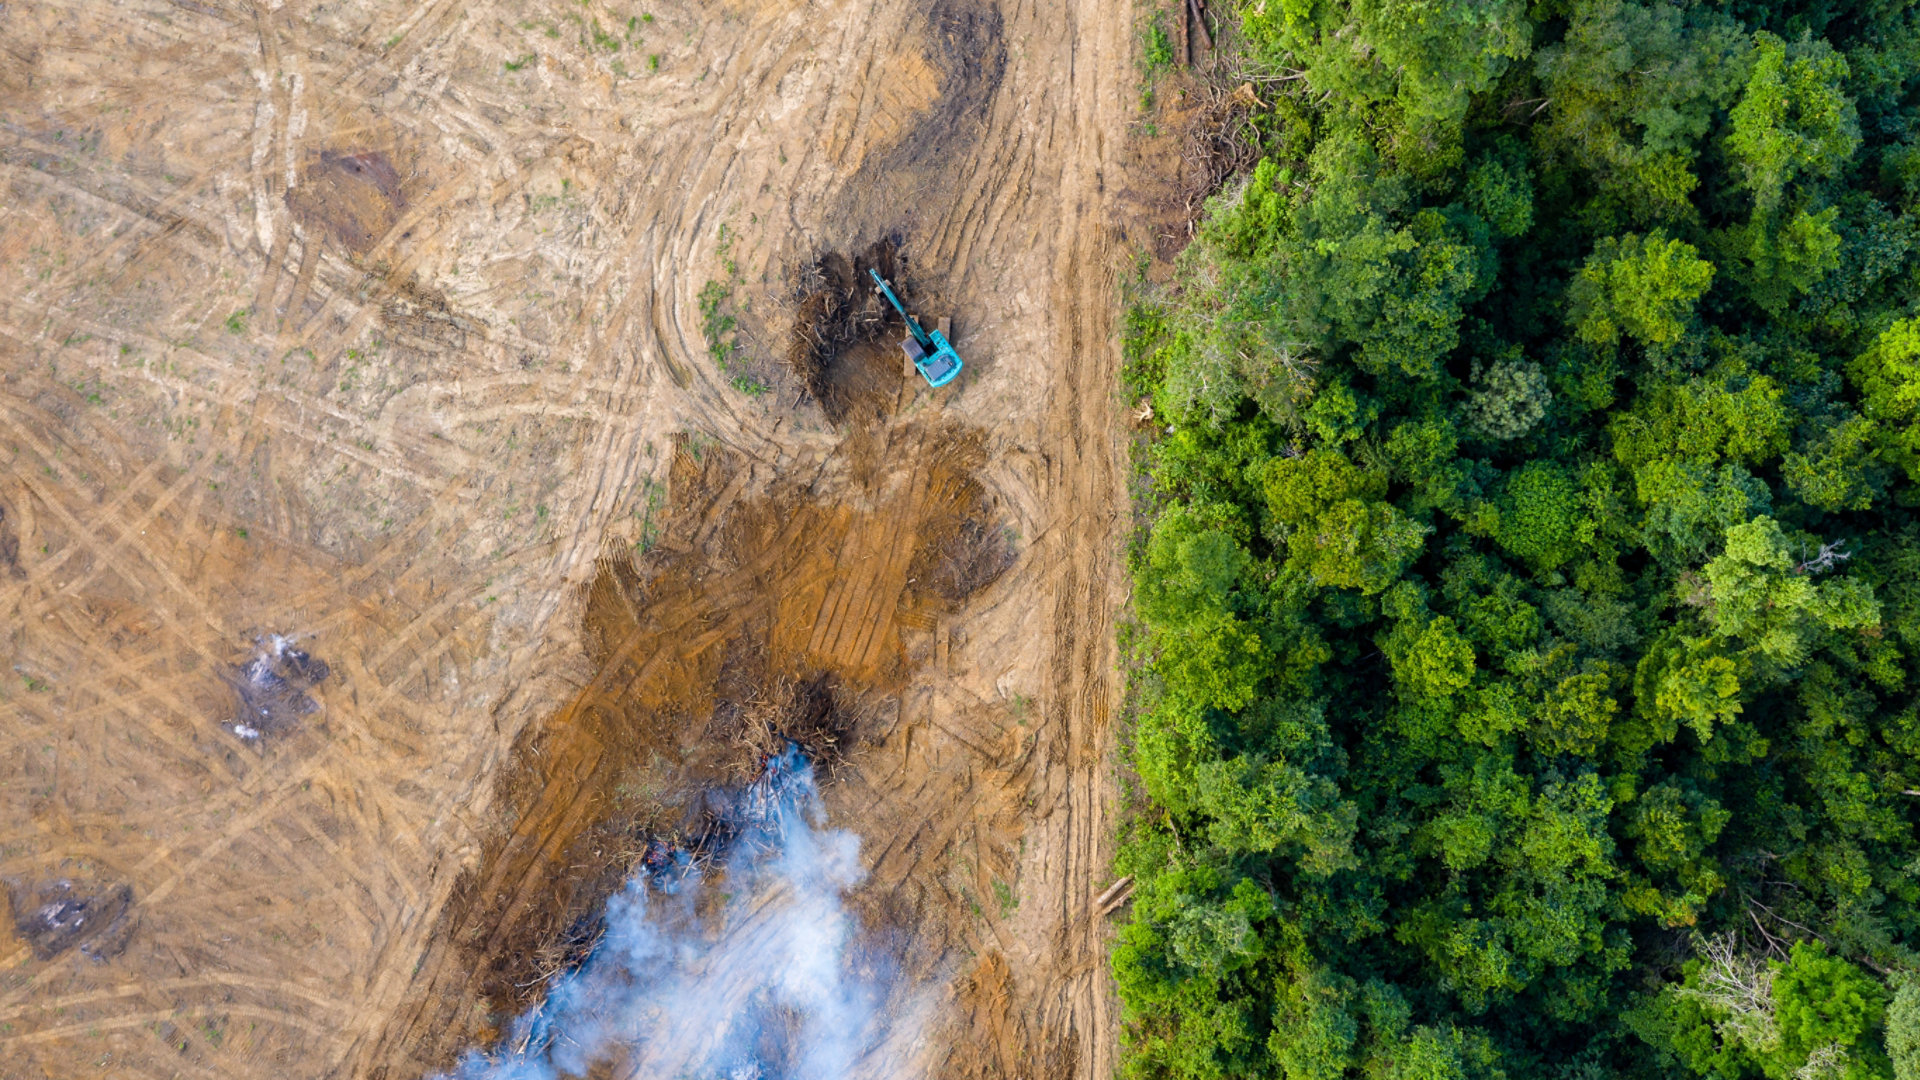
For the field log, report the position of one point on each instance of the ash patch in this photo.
(844, 346)
(57, 915)
(273, 689)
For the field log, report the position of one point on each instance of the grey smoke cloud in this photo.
(773, 988)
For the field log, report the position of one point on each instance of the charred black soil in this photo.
(355, 197)
(273, 692)
(9, 547)
(54, 916)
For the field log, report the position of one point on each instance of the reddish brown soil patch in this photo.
(754, 620)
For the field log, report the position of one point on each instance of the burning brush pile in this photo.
(746, 816)
(806, 713)
(762, 980)
(796, 725)
(782, 735)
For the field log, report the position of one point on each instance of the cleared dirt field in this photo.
(430, 435)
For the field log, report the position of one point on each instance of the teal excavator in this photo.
(932, 354)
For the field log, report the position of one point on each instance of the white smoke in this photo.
(771, 989)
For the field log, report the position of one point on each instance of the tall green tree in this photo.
(1527, 607)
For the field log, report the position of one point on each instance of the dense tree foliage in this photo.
(1529, 613)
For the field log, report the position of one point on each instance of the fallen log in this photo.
(1115, 895)
(1200, 20)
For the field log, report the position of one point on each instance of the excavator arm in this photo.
(932, 355)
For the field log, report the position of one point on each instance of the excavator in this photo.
(929, 351)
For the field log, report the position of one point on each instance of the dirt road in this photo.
(389, 330)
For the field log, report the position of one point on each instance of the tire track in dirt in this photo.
(1074, 1004)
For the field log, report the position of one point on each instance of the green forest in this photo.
(1526, 618)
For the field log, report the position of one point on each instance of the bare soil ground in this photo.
(415, 486)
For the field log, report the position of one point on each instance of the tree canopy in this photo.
(1527, 642)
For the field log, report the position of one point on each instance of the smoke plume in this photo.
(773, 988)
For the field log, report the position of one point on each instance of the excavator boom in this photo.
(919, 334)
